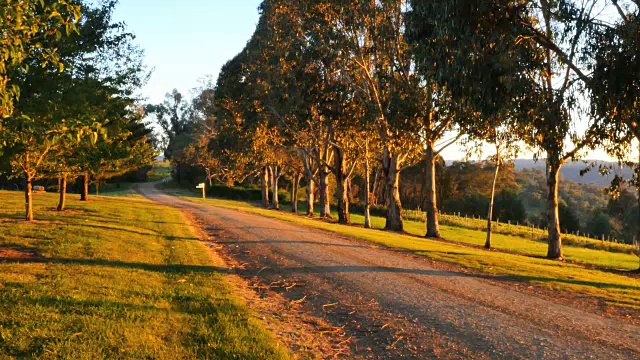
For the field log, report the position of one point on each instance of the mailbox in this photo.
(203, 187)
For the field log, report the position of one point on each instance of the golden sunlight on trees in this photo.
(330, 91)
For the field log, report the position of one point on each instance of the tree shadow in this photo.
(297, 242)
(160, 268)
(173, 238)
(367, 269)
(113, 228)
(601, 285)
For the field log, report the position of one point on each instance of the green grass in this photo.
(535, 234)
(161, 170)
(615, 289)
(117, 278)
(119, 190)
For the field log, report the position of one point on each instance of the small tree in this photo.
(31, 145)
(506, 149)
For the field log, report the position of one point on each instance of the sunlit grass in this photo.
(116, 278)
(616, 289)
(161, 170)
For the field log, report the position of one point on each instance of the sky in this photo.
(187, 42)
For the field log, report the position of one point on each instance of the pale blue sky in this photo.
(187, 40)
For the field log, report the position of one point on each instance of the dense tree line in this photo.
(69, 105)
(338, 89)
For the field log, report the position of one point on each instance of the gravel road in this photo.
(390, 304)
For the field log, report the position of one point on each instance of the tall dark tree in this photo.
(548, 41)
(616, 91)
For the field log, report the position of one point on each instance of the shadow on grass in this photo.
(601, 285)
(100, 311)
(112, 228)
(161, 268)
(173, 238)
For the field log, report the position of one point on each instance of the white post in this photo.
(203, 187)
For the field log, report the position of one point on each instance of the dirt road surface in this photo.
(386, 304)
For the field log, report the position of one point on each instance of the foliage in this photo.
(82, 120)
(26, 27)
(623, 211)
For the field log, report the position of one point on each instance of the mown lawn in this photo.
(615, 289)
(117, 278)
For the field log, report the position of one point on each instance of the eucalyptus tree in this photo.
(197, 153)
(380, 64)
(561, 31)
(176, 119)
(246, 137)
(551, 39)
(616, 89)
(296, 64)
(294, 169)
(211, 148)
(469, 50)
(505, 142)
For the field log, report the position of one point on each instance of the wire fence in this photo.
(528, 231)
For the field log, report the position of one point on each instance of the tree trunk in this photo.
(638, 187)
(392, 182)
(28, 198)
(311, 188)
(295, 186)
(367, 188)
(97, 181)
(325, 204)
(342, 186)
(84, 196)
(264, 179)
(487, 243)
(553, 216)
(378, 186)
(275, 178)
(270, 182)
(209, 177)
(638, 231)
(433, 223)
(63, 192)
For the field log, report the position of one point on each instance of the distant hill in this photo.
(571, 171)
(583, 199)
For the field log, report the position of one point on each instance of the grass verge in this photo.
(116, 278)
(614, 289)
